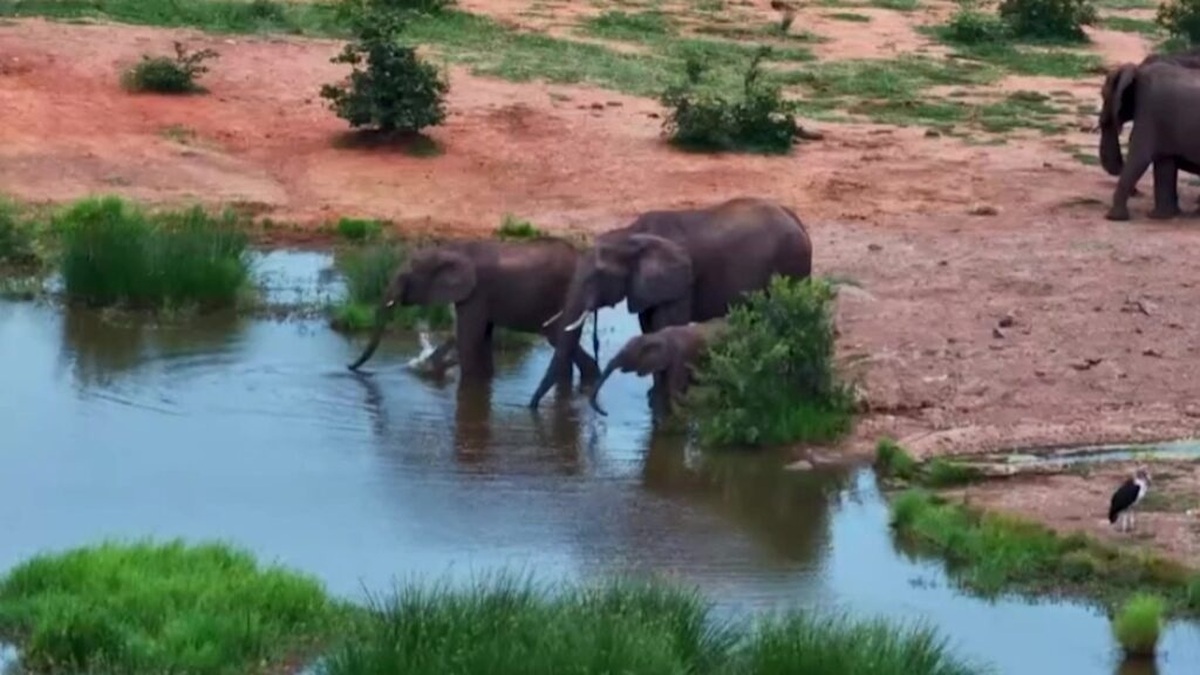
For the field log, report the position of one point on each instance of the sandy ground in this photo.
(1168, 520)
(1037, 323)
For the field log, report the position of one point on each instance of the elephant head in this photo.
(434, 276)
(643, 354)
(1117, 109)
(645, 270)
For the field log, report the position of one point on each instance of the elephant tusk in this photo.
(552, 319)
(577, 324)
(391, 303)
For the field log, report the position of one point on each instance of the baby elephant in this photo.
(672, 351)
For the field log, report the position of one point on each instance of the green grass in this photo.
(897, 5)
(893, 460)
(218, 16)
(161, 607)
(17, 241)
(366, 272)
(114, 253)
(1138, 624)
(359, 230)
(631, 26)
(848, 16)
(991, 554)
(1129, 24)
(513, 228)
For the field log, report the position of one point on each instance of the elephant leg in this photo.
(563, 378)
(589, 370)
(1166, 189)
(473, 333)
(1139, 160)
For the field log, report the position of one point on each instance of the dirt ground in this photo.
(1168, 520)
(997, 308)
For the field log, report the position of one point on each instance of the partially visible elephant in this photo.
(516, 285)
(672, 351)
(1117, 108)
(1165, 133)
(676, 266)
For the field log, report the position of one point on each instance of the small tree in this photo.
(1050, 20)
(396, 91)
(1181, 20)
(164, 75)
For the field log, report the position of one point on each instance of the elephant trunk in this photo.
(566, 341)
(381, 319)
(608, 370)
(1110, 149)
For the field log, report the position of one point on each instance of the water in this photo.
(255, 432)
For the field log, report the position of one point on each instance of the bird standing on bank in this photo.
(1123, 500)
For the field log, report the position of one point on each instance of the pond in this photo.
(255, 432)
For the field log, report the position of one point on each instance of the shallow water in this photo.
(255, 432)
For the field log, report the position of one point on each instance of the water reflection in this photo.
(1138, 667)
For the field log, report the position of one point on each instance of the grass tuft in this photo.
(1138, 624)
(893, 460)
(359, 230)
(366, 272)
(113, 253)
(17, 241)
(160, 607)
(771, 378)
(513, 228)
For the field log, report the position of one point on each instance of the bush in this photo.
(1049, 20)
(164, 75)
(761, 121)
(16, 237)
(771, 378)
(516, 229)
(1138, 624)
(366, 273)
(113, 253)
(359, 230)
(397, 91)
(972, 28)
(1180, 19)
(155, 608)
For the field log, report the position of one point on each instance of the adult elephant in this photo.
(672, 351)
(676, 266)
(1119, 97)
(1164, 132)
(515, 285)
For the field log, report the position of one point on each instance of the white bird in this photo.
(1129, 494)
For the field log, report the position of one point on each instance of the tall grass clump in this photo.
(166, 75)
(16, 237)
(359, 230)
(1138, 624)
(802, 643)
(149, 608)
(992, 553)
(113, 253)
(1181, 20)
(366, 271)
(771, 378)
(700, 119)
(891, 460)
(1193, 594)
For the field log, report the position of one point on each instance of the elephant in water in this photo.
(516, 285)
(677, 266)
(1119, 96)
(672, 351)
(1164, 132)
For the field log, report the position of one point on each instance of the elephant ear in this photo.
(1119, 99)
(662, 272)
(453, 279)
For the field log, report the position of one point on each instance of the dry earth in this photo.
(998, 307)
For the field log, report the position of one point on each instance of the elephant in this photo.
(673, 351)
(1163, 133)
(676, 266)
(1118, 108)
(517, 285)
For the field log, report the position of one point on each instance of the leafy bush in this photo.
(113, 253)
(165, 75)
(16, 237)
(1138, 624)
(699, 119)
(771, 377)
(152, 608)
(359, 229)
(1180, 19)
(396, 91)
(514, 228)
(972, 28)
(366, 273)
(1049, 20)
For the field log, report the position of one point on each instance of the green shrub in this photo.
(366, 272)
(893, 460)
(700, 119)
(114, 253)
(771, 377)
(165, 75)
(972, 28)
(1180, 19)
(160, 607)
(514, 228)
(16, 237)
(1193, 594)
(396, 91)
(1139, 623)
(801, 643)
(944, 473)
(1049, 20)
(358, 229)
